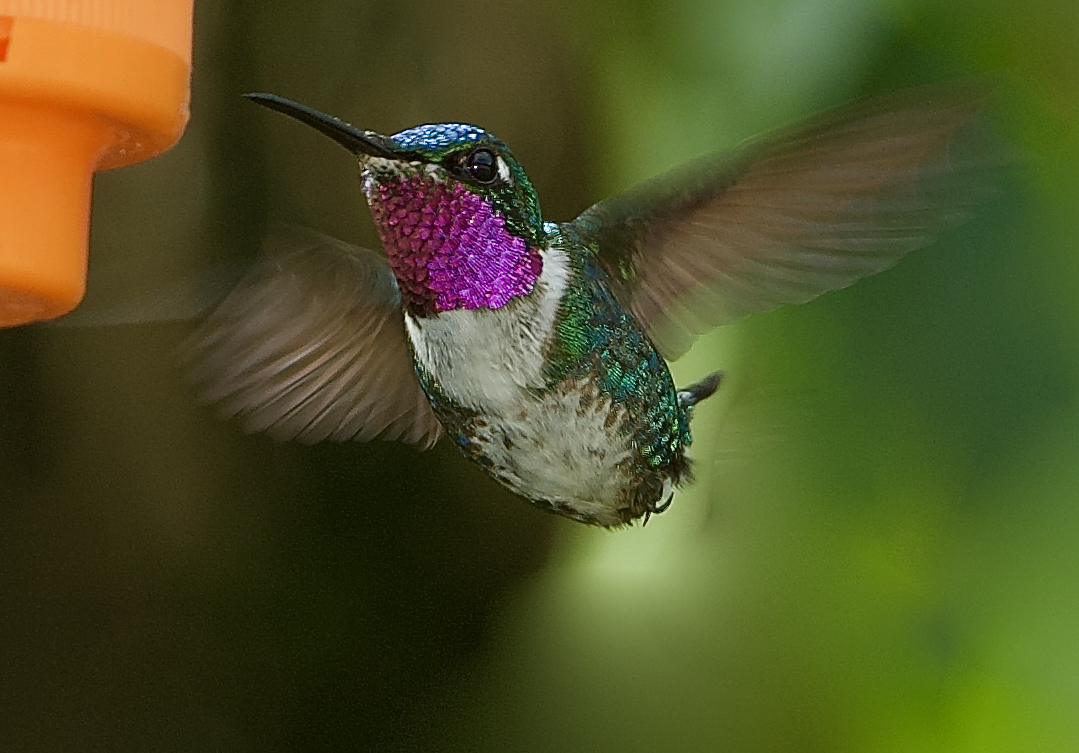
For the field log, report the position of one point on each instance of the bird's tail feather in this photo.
(698, 391)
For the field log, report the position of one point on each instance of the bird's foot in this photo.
(654, 509)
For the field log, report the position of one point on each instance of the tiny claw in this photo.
(654, 509)
(665, 505)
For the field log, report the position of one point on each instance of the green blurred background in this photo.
(880, 554)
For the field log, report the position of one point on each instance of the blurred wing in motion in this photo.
(311, 345)
(791, 214)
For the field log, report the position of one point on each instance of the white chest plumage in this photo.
(562, 446)
(486, 359)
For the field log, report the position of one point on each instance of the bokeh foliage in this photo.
(879, 554)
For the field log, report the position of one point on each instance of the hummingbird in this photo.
(540, 348)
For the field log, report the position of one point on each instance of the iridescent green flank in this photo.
(595, 338)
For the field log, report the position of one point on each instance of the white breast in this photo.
(565, 449)
(562, 446)
(487, 359)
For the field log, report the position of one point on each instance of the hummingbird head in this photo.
(458, 217)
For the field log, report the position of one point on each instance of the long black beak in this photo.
(356, 141)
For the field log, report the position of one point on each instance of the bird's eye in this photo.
(482, 165)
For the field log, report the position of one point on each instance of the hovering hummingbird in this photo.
(539, 348)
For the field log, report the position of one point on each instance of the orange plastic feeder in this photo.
(84, 86)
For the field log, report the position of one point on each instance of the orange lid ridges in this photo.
(166, 23)
(83, 86)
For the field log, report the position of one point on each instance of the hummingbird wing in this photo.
(791, 214)
(311, 345)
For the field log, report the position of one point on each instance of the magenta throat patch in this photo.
(447, 247)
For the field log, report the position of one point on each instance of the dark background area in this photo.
(879, 554)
